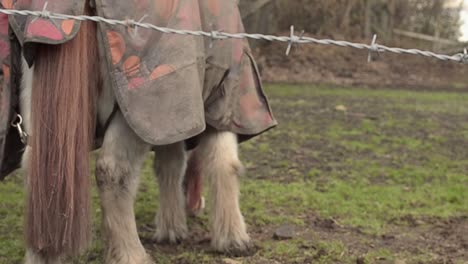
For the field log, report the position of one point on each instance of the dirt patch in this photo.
(445, 238)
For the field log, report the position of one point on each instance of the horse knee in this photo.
(108, 172)
(114, 174)
(220, 150)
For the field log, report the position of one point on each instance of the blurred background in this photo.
(436, 25)
(440, 19)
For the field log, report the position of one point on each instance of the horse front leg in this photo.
(218, 154)
(171, 220)
(117, 174)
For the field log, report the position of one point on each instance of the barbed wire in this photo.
(220, 35)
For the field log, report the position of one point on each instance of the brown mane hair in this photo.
(63, 118)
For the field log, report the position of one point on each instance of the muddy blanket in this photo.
(169, 87)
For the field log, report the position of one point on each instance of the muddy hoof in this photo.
(170, 237)
(235, 251)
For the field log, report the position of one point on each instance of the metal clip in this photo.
(18, 125)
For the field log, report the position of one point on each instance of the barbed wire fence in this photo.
(291, 40)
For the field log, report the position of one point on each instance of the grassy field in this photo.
(361, 175)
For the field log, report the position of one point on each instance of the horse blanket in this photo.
(169, 87)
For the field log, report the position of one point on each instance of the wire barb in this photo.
(464, 57)
(45, 14)
(134, 24)
(215, 35)
(373, 48)
(293, 39)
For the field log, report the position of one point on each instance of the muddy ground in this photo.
(368, 168)
(357, 175)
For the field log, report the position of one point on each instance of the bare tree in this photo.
(364, 17)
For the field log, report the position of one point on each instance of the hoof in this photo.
(243, 248)
(170, 236)
(127, 259)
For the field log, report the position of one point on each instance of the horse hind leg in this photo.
(117, 175)
(218, 154)
(193, 186)
(169, 166)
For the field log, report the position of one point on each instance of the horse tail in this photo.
(63, 123)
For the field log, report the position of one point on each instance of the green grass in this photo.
(392, 159)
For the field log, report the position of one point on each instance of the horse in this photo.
(118, 165)
(65, 96)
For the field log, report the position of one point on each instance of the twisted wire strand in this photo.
(219, 35)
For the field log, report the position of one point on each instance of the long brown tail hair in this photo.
(63, 122)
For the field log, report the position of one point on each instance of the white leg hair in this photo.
(25, 111)
(117, 175)
(26, 93)
(25, 103)
(32, 258)
(218, 153)
(169, 165)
